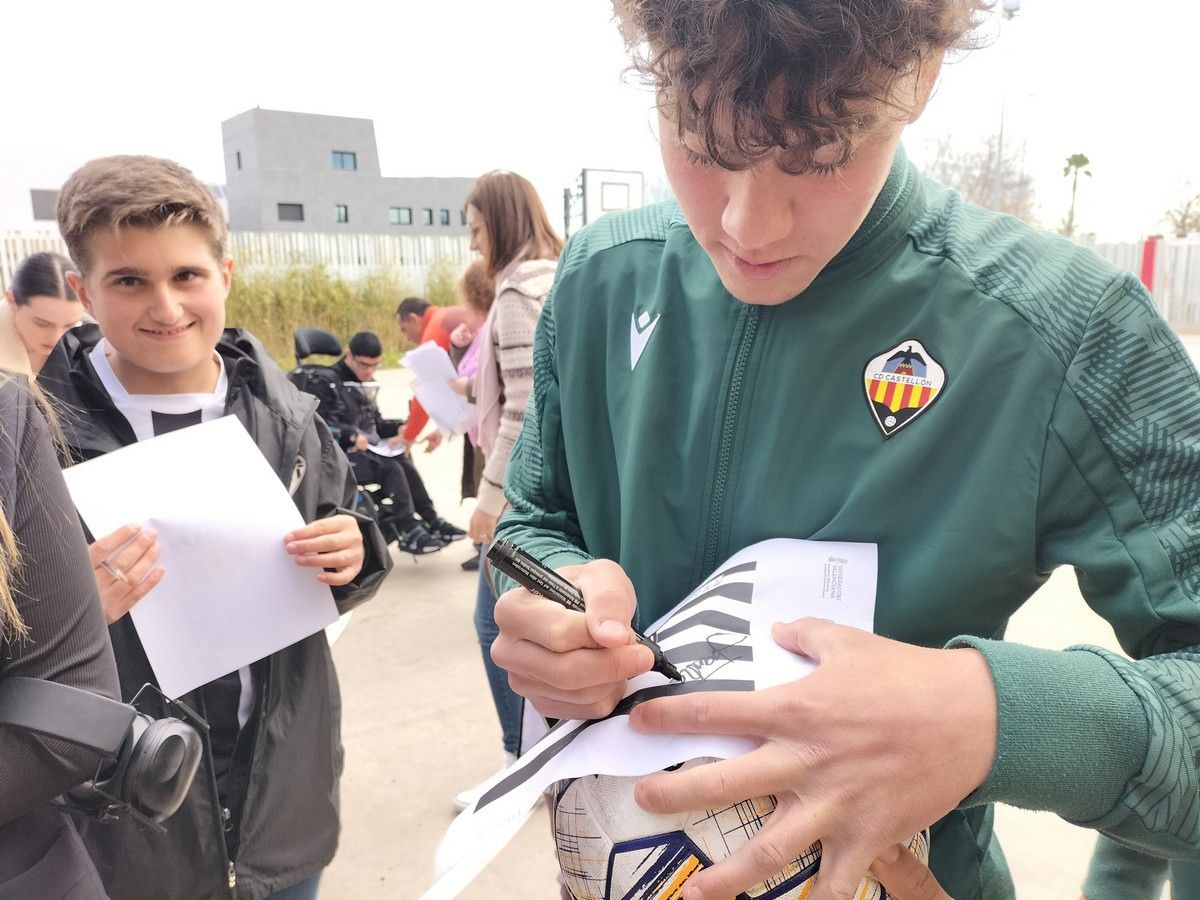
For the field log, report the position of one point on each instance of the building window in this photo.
(341, 213)
(444, 217)
(427, 217)
(400, 215)
(344, 159)
(238, 155)
(462, 215)
(290, 212)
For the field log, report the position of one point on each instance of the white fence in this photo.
(1174, 275)
(351, 256)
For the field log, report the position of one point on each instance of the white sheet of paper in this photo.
(718, 637)
(386, 449)
(231, 594)
(431, 366)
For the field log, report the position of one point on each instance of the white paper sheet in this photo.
(386, 449)
(433, 370)
(719, 637)
(231, 594)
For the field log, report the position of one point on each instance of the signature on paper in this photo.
(717, 657)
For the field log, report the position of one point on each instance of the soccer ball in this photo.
(609, 848)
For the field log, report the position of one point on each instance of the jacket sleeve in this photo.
(513, 328)
(541, 517)
(417, 420)
(1106, 741)
(55, 592)
(338, 493)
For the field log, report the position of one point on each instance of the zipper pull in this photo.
(232, 876)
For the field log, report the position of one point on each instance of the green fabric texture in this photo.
(1059, 713)
(1118, 872)
(1066, 433)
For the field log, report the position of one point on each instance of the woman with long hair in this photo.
(51, 627)
(40, 306)
(509, 228)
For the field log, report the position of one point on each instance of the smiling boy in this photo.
(262, 814)
(816, 342)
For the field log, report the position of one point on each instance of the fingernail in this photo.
(892, 853)
(612, 628)
(290, 537)
(692, 893)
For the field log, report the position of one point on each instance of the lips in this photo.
(167, 334)
(760, 271)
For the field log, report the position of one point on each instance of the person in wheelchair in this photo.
(360, 426)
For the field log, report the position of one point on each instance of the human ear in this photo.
(227, 272)
(79, 286)
(12, 301)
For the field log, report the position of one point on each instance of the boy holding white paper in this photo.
(262, 816)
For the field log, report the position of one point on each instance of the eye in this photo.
(127, 281)
(824, 170)
(187, 275)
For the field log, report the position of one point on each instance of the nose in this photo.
(758, 209)
(165, 307)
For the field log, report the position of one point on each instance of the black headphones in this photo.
(148, 763)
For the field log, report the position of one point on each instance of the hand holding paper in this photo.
(881, 740)
(231, 593)
(123, 566)
(434, 373)
(333, 544)
(719, 637)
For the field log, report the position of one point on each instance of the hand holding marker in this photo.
(536, 578)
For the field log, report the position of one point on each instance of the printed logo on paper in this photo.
(641, 326)
(901, 384)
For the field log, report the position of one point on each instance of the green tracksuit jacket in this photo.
(983, 401)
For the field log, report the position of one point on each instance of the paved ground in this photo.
(418, 727)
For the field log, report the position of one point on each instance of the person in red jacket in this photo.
(422, 322)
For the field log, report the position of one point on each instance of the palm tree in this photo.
(1075, 165)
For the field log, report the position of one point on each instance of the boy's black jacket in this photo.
(286, 828)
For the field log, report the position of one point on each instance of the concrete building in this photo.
(287, 171)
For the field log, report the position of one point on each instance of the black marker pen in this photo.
(533, 576)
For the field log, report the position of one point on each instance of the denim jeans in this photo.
(508, 704)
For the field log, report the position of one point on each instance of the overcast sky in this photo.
(457, 87)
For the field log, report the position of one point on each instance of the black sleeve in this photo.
(338, 494)
(55, 592)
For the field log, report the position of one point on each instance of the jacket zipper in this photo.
(221, 818)
(728, 433)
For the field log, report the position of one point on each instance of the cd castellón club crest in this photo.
(902, 383)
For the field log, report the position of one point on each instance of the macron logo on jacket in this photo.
(640, 329)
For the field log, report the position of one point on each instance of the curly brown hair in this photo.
(119, 192)
(752, 78)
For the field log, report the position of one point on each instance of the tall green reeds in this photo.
(271, 303)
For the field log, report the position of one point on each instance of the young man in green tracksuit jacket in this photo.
(818, 343)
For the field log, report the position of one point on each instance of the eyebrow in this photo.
(125, 271)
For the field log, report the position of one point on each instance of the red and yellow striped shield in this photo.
(902, 383)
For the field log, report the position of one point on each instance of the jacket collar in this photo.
(92, 423)
(899, 203)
